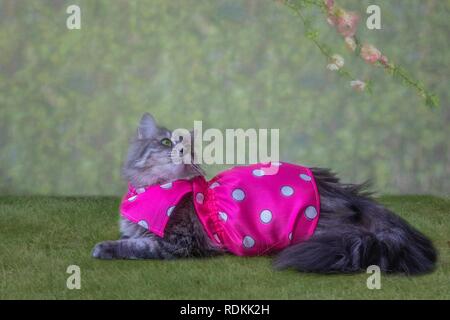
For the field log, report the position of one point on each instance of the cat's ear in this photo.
(147, 127)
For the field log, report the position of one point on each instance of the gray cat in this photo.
(353, 230)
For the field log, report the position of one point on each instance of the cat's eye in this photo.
(166, 142)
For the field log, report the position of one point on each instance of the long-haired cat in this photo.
(353, 231)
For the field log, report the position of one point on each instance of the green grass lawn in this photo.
(42, 236)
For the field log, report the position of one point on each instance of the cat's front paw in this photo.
(104, 250)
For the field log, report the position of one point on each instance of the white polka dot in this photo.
(310, 212)
(287, 191)
(140, 190)
(143, 223)
(199, 197)
(276, 164)
(258, 172)
(214, 185)
(216, 237)
(305, 177)
(248, 242)
(166, 185)
(223, 216)
(238, 194)
(170, 210)
(131, 199)
(290, 236)
(266, 216)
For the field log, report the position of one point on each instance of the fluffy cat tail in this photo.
(355, 232)
(353, 251)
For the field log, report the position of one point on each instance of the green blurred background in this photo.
(70, 99)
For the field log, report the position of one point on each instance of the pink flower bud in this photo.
(350, 43)
(370, 54)
(358, 85)
(329, 4)
(332, 67)
(347, 22)
(336, 62)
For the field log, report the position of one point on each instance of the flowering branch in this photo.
(345, 23)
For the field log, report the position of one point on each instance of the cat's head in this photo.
(150, 158)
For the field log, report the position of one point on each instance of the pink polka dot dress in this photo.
(247, 210)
